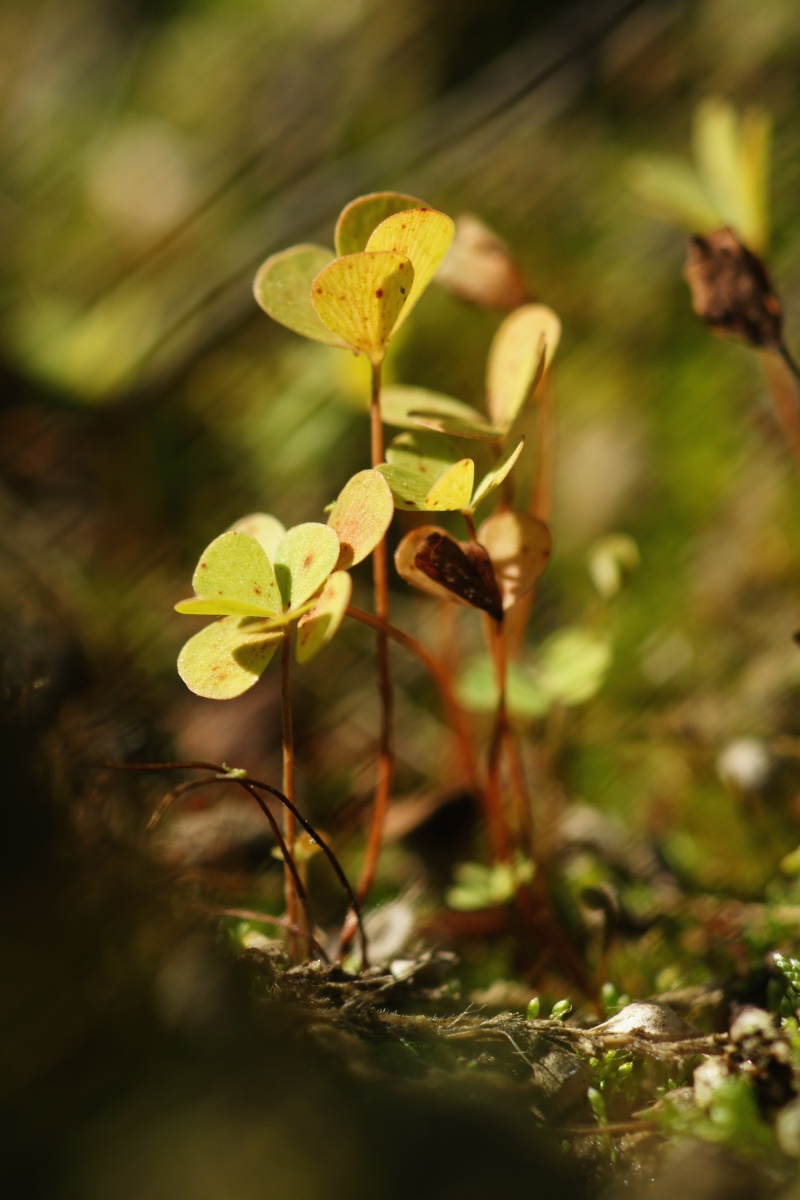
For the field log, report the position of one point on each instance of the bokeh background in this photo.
(151, 156)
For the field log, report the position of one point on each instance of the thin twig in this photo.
(291, 877)
(290, 866)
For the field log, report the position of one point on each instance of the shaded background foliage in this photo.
(152, 155)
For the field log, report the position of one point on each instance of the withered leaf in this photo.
(732, 291)
(464, 568)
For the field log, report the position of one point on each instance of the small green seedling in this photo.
(260, 578)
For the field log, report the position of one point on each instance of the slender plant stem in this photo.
(290, 865)
(781, 379)
(498, 824)
(289, 822)
(456, 716)
(380, 571)
(221, 774)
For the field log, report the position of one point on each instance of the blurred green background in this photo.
(152, 154)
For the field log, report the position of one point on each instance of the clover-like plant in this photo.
(263, 582)
(388, 247)
(260, 580)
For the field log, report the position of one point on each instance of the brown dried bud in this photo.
(732, 291)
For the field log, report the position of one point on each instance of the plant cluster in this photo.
(272, 588)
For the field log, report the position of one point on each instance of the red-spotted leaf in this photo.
(234, 577)
(227, 657)
(359, 298)
(303, 561)
(362, 216)
(423, 235)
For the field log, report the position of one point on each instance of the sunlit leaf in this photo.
(423, 235)
(266, 529)
(363, 215)
(452, 491)
(409, 489)
(479, 268)
(417, 464)
(412, 492)
(282, 287)
(304, 559)
(426, 454)
(492, 479)
(573, 665)
(227, 657)
(526, 699)
(359, 297)
(234, 576)
(418, 408)
(317, 627)
(519, 547)
(432, 560)
(522, 349)
(361, 515)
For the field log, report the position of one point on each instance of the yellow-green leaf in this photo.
(359, 298)
(452, 491)
(282, 287)
(423, 235)
(304, 559)
(317, 627)
(520, 548)
(361, 515)
(408, 488)
(492, 479)
(363, 215)
(226, 658)
(418, 408)
(413, 493)
(266, 529)
(522, 349)
(425, 473)
(426, 454)
(234, 576)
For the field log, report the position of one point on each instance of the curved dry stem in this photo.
(223, 774)
(291, 868)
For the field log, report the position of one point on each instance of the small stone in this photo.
(649, 1019)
